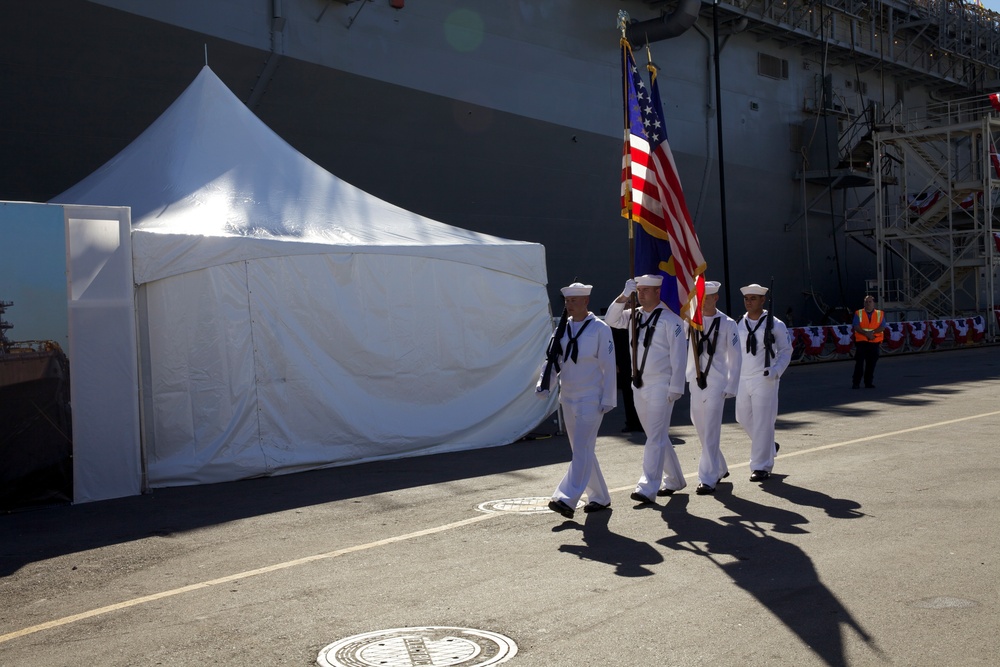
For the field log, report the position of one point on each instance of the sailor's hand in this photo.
(728, 395)
(605, 409)
(629, 288)
(673, 396)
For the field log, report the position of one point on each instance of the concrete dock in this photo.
(876, 542)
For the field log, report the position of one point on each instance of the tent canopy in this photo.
(289, 320)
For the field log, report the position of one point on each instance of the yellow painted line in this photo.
(67, 620)
(834, 445)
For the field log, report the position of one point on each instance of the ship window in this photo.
(771, 67)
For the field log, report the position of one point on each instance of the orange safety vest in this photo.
(870, 323)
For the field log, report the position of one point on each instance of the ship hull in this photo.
(36, 442)
(510, 127)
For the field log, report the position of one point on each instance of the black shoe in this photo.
(855, 386)
(559, 507)
(595, 507)
(704, 489)
(759, 475)
(665, 492)
(869, 386)
(639, 498)
(631, 428)
(777, 448)
(724, 476)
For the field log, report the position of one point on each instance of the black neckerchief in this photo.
(571, 347)
(705, 342)
(647, 339)
(752, 338)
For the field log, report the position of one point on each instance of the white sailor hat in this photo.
(577, 289)
(649, 280)
(712, 287)
(754, 288)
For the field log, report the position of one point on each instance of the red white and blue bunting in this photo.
(821, 343)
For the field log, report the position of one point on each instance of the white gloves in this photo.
(629, 288)
(605, 409)
(728, 395)
(673, 397)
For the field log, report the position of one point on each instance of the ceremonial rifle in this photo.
(699, 374)
(633, 303)
(769, 329)
(554, 352)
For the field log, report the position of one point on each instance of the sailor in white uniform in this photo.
(660, 362)
(713, 375)
(767, 350)
(584, 360)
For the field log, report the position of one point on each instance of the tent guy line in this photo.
(100, 611)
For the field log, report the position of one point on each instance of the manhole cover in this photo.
(519, 505)
(429, 646)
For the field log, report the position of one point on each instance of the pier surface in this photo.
(876, 542)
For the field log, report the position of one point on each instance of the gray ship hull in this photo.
(504, 118)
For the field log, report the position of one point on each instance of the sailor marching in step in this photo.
(713, 375)
(767, 350)
(582, 354)
(660, 356)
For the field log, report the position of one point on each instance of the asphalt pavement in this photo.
(876, 542)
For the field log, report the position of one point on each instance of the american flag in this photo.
(651, 188)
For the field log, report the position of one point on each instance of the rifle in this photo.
(633, 303)
(700, 378)
(554, 351)
(769, 329)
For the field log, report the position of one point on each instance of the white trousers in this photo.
(660, 467)
(582, 419)
(756, 410)
(706, 415)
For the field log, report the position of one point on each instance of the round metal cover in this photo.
(519, 505)
(427, 646)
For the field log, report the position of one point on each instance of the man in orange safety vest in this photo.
(869, 323)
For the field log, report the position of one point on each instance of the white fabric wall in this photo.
(104, 381)
(279, 364)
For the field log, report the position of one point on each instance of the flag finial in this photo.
(622, 21)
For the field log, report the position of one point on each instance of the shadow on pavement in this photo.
(630, 557)
(778, 574)
(48, 532)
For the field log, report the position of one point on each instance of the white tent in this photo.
(288, 320)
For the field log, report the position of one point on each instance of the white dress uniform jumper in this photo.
(661, 358)
(587, 389)
(718, 345)
(757, 396)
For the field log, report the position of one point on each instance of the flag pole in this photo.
(722, 160)
(623, 19)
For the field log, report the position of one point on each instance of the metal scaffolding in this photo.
(936, 253)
